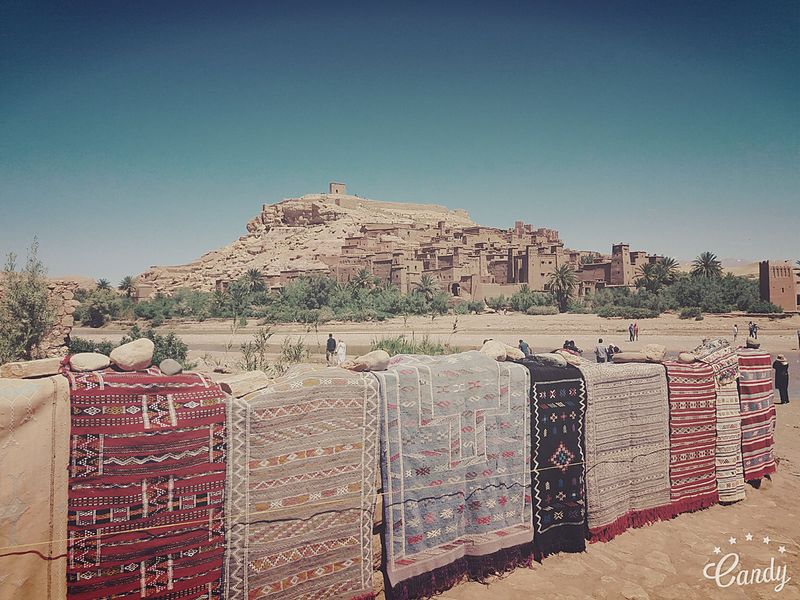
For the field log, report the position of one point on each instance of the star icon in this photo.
(732, 541)
(749, 537)
(781, 549)
(717, 550)
(767, 540)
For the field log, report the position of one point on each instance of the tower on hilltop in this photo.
(337, 188)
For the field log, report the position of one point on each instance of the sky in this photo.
(139, 133)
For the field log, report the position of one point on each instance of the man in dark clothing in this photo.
(526, 350)
(330, 349)
(781, 366)
(630, 331)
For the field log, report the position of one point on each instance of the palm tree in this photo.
(254, 280)
(670, 268)
(650, 276)
(127, 285)
(562, 285)
(427, 287)
(103, 284)
(707, 265)
(362, 279)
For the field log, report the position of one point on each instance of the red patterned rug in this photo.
(756, 399)
(146, 486)
(692, 436)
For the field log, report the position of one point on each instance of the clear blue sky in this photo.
(138, 133)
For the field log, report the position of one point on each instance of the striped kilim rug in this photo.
(301, 487)
(146, 486)
(758, 413)
(627, 447)
(692, 436)
(730, 476)
(455, 443)
(558, 402)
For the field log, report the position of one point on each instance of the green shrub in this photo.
(254, 352)
(26, 314)
(476, 306)
(400, 344)
(166, 346)
(690, 312)
(497, 303)
(627, 312)
(542, 310)
(461, 308)
(292, 353)
(524, 298)
(763, 306)
(77, 345)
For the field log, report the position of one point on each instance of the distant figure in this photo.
(755, 330)
(610, 351)
(630, 331)
(735, 332)
(636, 331)
(600, 351)
(781, 366)
(341, 353)
(330, 349)
(526, 350)
(798, 339)
(750, 329)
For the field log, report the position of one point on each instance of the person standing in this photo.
(781, 366)
(735, 332)
(330, 349)
(526, 349)
(636, 331)
(341, 353)
(750, 329)
(630, 331)
(755, 331)
(600, 351)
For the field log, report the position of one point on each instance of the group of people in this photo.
(633, 331)
(605, 353)
(335, 351)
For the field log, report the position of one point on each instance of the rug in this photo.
(756, 402)
(730, 476)
(34, 454)
(146, 486)
(455, 444)
(301, 487)
(692, 436)
(627, 447)
(558, 403)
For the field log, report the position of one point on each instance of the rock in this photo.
(655, 352)
(30, 368)
(377, 360)
(88, 361)
(550, 359)
(686, 357)
(494, 349)
(241, 384)
(753, 343)
(170, 366)
(513, 353)
(630, 357)
(134, 356)
(67, 320)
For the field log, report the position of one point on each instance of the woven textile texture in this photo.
(301, 487)
(692, 436)
(34, 454)
(455, 444)
(627, 447)
(730, 476)
(558, 403)
(146, 477)
(756, 402)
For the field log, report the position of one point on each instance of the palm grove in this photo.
(660, 287)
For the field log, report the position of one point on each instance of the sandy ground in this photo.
(665, 560)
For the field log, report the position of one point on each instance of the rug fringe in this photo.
(634, 519)
(572, 546)
(695, 504)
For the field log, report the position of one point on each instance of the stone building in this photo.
(339, 235)
(778, 283)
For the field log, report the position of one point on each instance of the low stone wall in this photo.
(62, 299)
